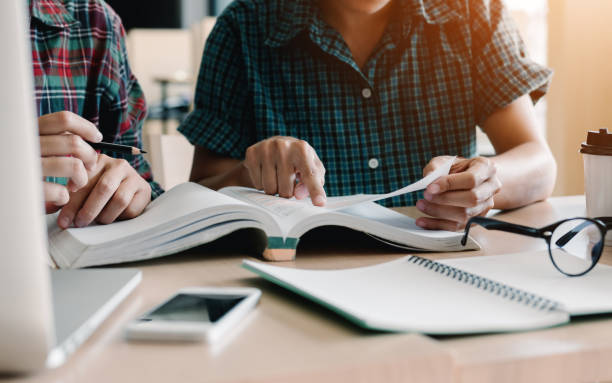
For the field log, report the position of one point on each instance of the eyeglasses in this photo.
(574, 245)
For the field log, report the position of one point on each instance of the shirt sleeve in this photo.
(502, 69)
(123, 105)
(219, 121)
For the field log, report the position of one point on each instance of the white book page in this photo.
(287, 212)
(297, 210)
(534, 272)
(404, 296)
(337, 203)
(181, 201)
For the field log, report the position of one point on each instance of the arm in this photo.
(525, 165)
(222, 130)
(278, 165)
(116, 188)
(522, 172)
(215, 171)
(65, 154)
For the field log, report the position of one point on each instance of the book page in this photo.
(337, 203)
(287, 212)
(291, 207)
(533, 271)
(402, 295)
(178, 202)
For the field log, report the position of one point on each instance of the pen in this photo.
(125, 149)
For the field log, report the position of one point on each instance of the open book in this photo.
(511, 292)
(190, 214)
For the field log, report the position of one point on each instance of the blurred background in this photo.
(166, 40)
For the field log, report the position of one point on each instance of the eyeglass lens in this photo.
(575, 245)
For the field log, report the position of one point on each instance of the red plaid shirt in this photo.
(80, 65)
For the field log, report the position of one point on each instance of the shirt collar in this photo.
(296, 15)
(52, 13)
(436, 11)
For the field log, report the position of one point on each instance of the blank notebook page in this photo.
(405, 295)
(534, 272)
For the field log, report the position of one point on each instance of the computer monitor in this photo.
(45, 314)
(26, 323)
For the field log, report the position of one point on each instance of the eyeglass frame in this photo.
(602, 223)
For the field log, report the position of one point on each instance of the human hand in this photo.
(114, 190)
(467, 191)
(276, 163)
(65, 153)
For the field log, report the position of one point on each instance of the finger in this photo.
(119, 202)
(55, 194)
(466, 198)
(61, 122)
(477, 173)
(68, 167)
(269, 177)
(300, 191)
(139, 203)
(253, 164)
(447, 224)
(451, 213)
(68, 144)
(310, 169)
(312, 181)
(286, 176)
(438, 224)
(77, 199)
(435, 163)
(101, 193)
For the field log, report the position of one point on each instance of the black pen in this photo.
(124, 149)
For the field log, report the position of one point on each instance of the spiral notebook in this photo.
(415, 294)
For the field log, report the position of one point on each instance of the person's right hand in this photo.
(65, 153)
(288, 167)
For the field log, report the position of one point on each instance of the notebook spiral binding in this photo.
(485, 284)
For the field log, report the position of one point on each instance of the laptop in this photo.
(44, 314)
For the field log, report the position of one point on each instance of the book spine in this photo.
(280, 249)
(504, 291)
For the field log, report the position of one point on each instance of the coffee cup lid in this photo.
(599, 143)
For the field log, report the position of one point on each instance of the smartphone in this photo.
(195, 314)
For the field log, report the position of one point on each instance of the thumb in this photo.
(435, 163)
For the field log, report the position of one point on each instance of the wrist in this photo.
(238, 175)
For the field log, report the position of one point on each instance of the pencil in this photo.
(125, 149)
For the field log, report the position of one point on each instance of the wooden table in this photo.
(289, 339)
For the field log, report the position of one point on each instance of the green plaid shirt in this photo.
(274, 67)
(80, 65)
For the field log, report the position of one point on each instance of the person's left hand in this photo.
(467, 191)
(114, 190)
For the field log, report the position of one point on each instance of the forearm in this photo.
(234, 176)
(527, 173)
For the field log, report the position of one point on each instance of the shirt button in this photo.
(373, 163)
(366, 92)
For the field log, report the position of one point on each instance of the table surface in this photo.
(289, 339)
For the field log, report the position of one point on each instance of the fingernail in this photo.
(319, 200)
(300, 191)
(428, 196)
(419, 223)
(63, 222)
(80, 222)
(99, 136)
(433, 188)
(420, 205)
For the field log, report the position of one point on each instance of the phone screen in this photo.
(194, 308)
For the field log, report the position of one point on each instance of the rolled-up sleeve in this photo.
(502, 69)
(220, 120)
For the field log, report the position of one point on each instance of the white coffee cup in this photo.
(597, 155)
